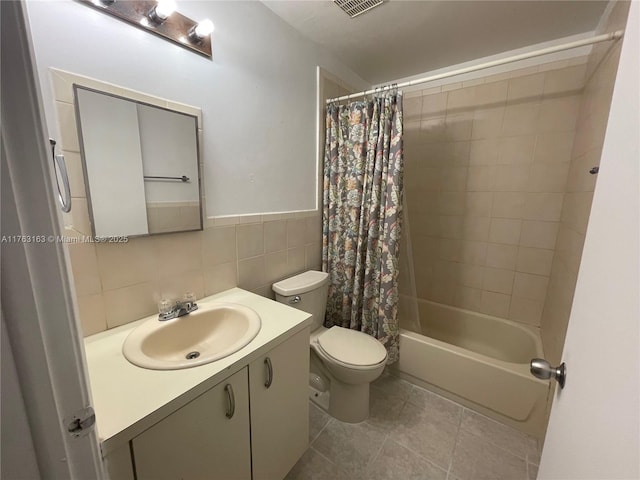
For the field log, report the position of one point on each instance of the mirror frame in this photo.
(78, 121)
(78, 221)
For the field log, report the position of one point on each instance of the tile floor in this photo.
(414, 434)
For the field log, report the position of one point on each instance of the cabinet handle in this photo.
(267, 362)
(231, 409)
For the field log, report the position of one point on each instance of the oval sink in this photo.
(210, 333)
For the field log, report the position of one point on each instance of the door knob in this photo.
(542, 369)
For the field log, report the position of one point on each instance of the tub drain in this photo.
(192, 355)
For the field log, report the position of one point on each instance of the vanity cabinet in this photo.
(207, 438)
(252, 425)
(279, 391)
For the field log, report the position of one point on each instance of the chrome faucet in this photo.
(178, 308)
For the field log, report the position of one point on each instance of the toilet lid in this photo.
(352, 347)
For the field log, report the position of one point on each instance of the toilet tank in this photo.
(307, 292)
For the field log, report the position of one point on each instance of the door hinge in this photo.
(82, 422)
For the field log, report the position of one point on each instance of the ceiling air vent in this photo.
(353, 8)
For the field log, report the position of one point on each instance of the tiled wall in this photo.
(173, 217)
(117, 283)
(587, 149)
(486, 166)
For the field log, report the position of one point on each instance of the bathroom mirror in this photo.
(141, 166)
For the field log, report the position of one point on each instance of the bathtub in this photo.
(478, 360)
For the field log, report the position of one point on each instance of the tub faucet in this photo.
(178, 308)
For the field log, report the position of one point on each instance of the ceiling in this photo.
(402, 38)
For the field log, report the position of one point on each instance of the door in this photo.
(279, 386)
(593, 429)
(37, 296)
(207, 438)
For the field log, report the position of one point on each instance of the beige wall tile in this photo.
(296, 233)
(508, 204)
(468, 298)
(481, 179)
(559, 114)
(220, 277)
(176, 285)
(250, 240)
(275, 236)
(553, 147)
(68, 129)
(502, 256)
(493, 94)
(461, 100)
(458, 126)
(565, 80)
(526, 310)
(539, 234)
(476, 228)
(80, 216)
(543, 206)
(251, 272)
(276, 266)
(470, 275)
(534, 260)
(548, 177)
(473, 253)
(498, 280)
(451, 203)
(84, 266)
(487, 122)
(219, 245)
(432, 130)
(295, 260)
(579, 179)
(505, 231)
(177, 252)
(92, 314)
(124, 305)
(520, 118)
(512, 178)
(478, 204)
(516, 150)
(412, 107)
(75, 172)
(526, 88)
(533, 287)
(434, 105)
(313, 230)
(483, 152)
(453, 179)
(124, 264)
(496, 304)
(313, 256)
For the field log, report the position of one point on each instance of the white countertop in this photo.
(128, 399)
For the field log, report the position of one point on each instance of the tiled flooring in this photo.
(414, 434)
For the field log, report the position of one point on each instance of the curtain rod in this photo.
(558, 48)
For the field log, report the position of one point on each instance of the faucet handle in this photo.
(165, 306)
(189, 297)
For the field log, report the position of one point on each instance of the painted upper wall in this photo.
(258, 95)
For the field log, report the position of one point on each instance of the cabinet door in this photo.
(279, 390)
(200, 441)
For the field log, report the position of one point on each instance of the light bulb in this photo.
(204, 28)
(162, 10)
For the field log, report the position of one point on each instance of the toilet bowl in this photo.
(347, 360)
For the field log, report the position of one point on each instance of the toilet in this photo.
(343, 361)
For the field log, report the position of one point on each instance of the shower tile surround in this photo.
(117, 283)
(414, 433)
(487, 163)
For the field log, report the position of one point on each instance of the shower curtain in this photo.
(363, 186)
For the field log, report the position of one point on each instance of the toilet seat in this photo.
(351, 348)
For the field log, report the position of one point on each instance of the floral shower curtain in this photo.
(363, 186)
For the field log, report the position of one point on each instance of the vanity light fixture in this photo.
(200, 31)
(161, 11)
(159, 17)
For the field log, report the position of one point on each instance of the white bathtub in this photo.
(478, 360)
